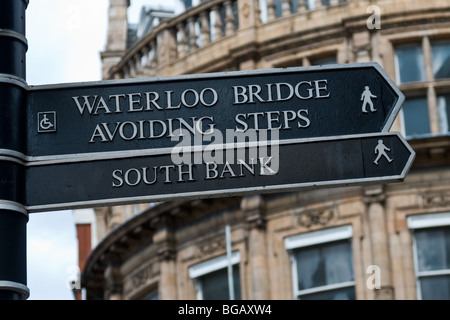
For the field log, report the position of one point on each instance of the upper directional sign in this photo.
(109, 119)
(310, 163)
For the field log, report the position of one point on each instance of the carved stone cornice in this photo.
(165, 243)
(166, 250)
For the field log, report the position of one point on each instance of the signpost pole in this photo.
(13, 89)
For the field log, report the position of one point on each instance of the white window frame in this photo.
(397, 78)
(313, 238)
(426, 44)
(198, 270)
(424, 221)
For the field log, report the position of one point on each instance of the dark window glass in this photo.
(152, 295)
(410, 63)
(433, 255)
(215, 285)
(435, 288)
(415, 113)
(433, 248)
(324, 61)
(323, 265)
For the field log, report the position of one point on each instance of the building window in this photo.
(312, 4)
(152, 295)
(415, 116)
(324, 60)
(441, 59)
(211, 278)
(410, 65)
(431, 247)
(423, 97)
(322, 264)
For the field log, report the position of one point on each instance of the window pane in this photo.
(444, 113)
(324, 264)
(441, 60)
(278, 5)
(337, 294)
(324, 61)
(310, 268)
(339, 265)
(152, 295)
(435, 288)
(215, 285)
(410, 63)
(415, 113)
(433, 248)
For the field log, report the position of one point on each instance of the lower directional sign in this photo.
(275, 166)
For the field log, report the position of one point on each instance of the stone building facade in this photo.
(379, 241)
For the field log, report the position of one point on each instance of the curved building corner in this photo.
(387, 241)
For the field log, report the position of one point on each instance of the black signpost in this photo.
(291, 165)
(107, 128)
(116, 142)
(13, 88)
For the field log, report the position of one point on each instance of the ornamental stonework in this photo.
(436, 199)
(316, 217)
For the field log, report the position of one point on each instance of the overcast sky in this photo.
(64, 43)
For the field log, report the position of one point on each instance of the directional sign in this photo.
(110, 119)
(270, 167)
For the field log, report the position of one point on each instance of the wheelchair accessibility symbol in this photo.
(47, 121)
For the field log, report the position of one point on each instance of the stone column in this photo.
(362, 46)
(374, 198)
(166, 44)
(116, 42)
(253, 207)
(249, 13)
(249, 18)
(165, 241)
(113, 287)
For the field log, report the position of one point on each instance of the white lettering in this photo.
(319, 88)
(136, 176)
(133, 102)
(87, 104)
(271, 120)
(303, 90)
(279, 94)
(211, 167)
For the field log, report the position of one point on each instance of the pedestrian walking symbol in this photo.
(380, 151)
(366, 98)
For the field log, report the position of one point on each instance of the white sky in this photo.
(64, 43)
